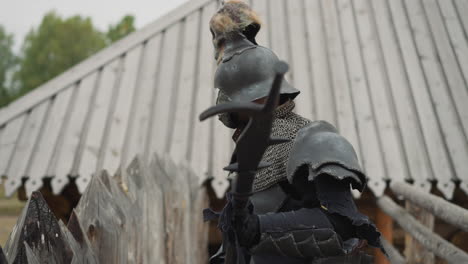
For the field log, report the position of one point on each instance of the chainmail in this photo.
(285, 125)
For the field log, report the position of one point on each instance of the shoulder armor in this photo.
(325, 152)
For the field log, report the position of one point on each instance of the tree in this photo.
(121, 29)
(54, 47)
(7, 62)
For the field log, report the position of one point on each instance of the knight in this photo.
(301, 207)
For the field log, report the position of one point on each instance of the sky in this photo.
(19, 16)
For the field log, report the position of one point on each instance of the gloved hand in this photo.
(247, 227)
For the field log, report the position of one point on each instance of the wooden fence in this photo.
(426, 237)
(145, 214)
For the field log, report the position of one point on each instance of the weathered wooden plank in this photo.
(462, 8)
(102, 58)
(138, 131)
(299, 57)
(199, 228)
(278, 31)
(119, 118)
(344, 108)
(384, 224)
(24, 148)
(394, 256)
(183, 117)
(158, 172)
(150, 198)
(394, 40)
(371, 151)
(163, 168)
(457, 36)
(49, 140)
(201, 136)
(151, 215)
(455, 141)
(453, 82)
(202, 202)
(105, 227)
(38, 227)
(131, 182)
(181, 188)
(439, 207)
(380, 96)
(31, 258)
(175, 214)
(448, 61)
(320, 67)
(81, 253)
(165, 87)
(79, 241)
(91, 143)
(261, 7)
(414, 251)
(426, 237)
(8, 141)
(73, 133)
(3, 259)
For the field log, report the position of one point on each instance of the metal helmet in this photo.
(246, 74)
(245, 70)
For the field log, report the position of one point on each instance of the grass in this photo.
(10, 209)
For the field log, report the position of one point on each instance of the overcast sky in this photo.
(19, 16)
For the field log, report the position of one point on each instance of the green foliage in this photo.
(55, 46)
(52, 48)
(7, 62)
(121, 29)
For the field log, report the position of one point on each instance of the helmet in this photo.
(245, 70)
(247, 74)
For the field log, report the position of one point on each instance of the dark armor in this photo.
(333, 155)
(320, 166)
(300, 208)
(303, 202)
(247, 72)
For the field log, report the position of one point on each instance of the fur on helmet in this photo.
(234, 17)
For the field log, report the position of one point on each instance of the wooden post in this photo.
(414, 251)
(385, 226)
(430, 240)
(445, 210)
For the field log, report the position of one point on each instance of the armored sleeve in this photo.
(319, 148)
(327, 160)
(305, 234)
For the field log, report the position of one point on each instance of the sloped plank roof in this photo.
(391, 75)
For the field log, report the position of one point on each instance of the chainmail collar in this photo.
(280, 112)
(283, 110)
(285, 125)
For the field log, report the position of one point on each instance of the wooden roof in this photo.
(391, 75)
